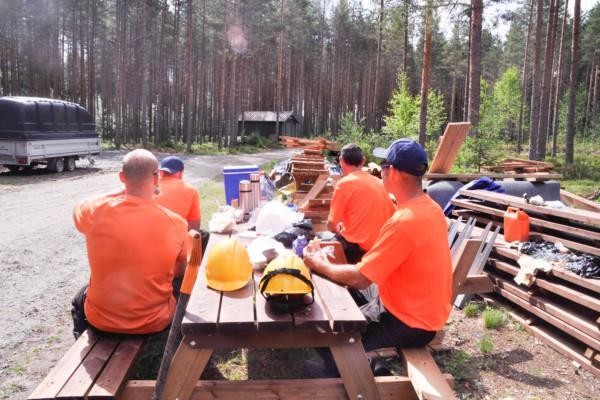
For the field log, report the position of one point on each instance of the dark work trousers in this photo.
(80, 322)
(352, 251)
(388, 332)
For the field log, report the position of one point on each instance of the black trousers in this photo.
(353, 251)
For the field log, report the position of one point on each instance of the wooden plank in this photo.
(574, 200)
(583, 216)
(593, 284)
(425, 375)
(467, 177)
(449, 146)
(339, 306)
(313, 317)
(593, 355)
(462, 263)
(82, 380)
(560, 290)
(570, 315)
(353, 365)
(542, 223)
(389, 387)
(322, 214)
(314, 191)
(237, 310)
(475, 284)
(114, 375)
(186, 368)
(202, 311)
(548, 335)
(266, 318)
(289, 339)
(62, 371)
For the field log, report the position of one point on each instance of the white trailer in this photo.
(44, 131)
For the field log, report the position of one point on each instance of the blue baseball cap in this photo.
(171, 164)
(405, 155)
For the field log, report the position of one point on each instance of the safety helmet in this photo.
(285, 282)
(228, 266)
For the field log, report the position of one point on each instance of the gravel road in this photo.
(43, 260)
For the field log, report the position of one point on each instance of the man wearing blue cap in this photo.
(410, 261)
(176, 194)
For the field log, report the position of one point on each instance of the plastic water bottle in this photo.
(299, 244)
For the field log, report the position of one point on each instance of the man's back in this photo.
(362, 204)
(179, 197)
(133, 245)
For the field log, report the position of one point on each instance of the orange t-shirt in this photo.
(179, 197)
(133, 245)
(363, 205)
(411, 265)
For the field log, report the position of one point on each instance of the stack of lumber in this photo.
(319, 143)
(560, 308)
(519, 165)
(306, 167)
(316, 202)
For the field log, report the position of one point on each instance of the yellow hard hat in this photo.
(228, 266)
(285, 282)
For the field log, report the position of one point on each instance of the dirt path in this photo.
(43, 260)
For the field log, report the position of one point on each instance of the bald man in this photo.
(135, 250)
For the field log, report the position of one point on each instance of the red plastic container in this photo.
(516, 225)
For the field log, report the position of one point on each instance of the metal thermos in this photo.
(245, 196)
(255, 187)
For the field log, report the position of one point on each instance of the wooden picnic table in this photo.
(241, 319)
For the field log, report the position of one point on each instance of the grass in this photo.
(493, 318)
(486, 346)
(473, 309)
(459, 364)
(205, 148)
(7, 390)
(17, 369)
(212, 194)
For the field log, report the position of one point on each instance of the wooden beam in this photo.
(425, 375)
(389, 387)
(475, 284)
(449, 146)
(573, 200)
(467, 177)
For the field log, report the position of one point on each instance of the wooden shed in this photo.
(264, 122)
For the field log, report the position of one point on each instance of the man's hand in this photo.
(314, 257)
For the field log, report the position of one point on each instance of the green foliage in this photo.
(485, 344)
(506, 103)
(473, 309)
(403, 118)
(436, 114)
(494, 318)
(354, 132)
(256, 139)
(459, 365)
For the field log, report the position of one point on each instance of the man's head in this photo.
(406, 157)
(171, 165)
(351, 158)
(139, 173)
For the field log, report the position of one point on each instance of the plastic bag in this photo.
(267, 188)
(222, 221)
(274, 217)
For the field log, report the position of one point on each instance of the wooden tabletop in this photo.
(245, 311)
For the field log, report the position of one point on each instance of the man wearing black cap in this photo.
(409, 262)
(176, 194)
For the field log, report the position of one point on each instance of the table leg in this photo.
(186, 368)
(355, 370)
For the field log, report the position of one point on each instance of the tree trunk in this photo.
(376, 92)
(524, 83)
(425, 73)
(405, 52)
(187, 75)
(559, 68)
(547, 82)
(573, 83)
(475, 63)
(535, 93)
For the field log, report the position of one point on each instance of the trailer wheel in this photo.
(56, 164)
(13, 168)
(70, 163)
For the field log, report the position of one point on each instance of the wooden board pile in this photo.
(519, 165)
(319, 143)
(561, 308)
(306, 167)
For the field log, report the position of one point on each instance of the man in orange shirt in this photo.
(409, 262)
(176, 194)
(135, 250)
(359, 207)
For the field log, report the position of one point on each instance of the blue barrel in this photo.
(232, 175)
